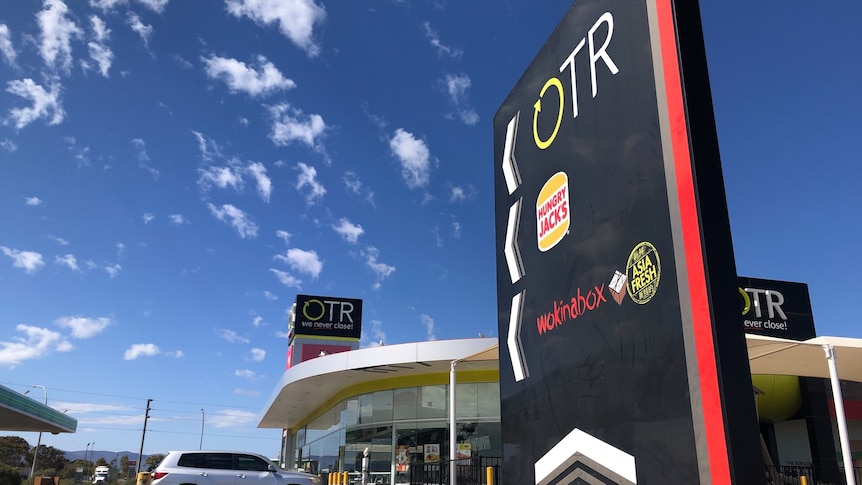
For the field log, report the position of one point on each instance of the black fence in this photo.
(792, 475)
(468, 471)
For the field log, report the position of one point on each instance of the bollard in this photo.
(344, 478)
(489, 475)
(145, 478)
(803, 480)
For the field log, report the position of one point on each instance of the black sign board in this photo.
(776, 308)
(326, 316)
(607, 184)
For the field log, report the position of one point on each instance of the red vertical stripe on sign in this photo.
(703, 337)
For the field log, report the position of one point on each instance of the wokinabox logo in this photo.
(577, 306)
(552, 211)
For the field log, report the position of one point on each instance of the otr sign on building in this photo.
(621, 357)
(326, 316)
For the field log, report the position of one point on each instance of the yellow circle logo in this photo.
(643, 270)
(305, 309)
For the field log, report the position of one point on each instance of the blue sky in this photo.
(173, 173)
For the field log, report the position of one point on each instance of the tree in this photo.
(124, 466)
(9, 475)
(101, 462)
(50, 457)
(15, 451)
(153, 461)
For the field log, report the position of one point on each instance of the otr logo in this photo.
(595, 55)
(771, 298)
(315, 309)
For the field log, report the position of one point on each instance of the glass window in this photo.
(382, 403)
(366, 407)
(466, 400)
(405, 403)
(489, 399)
(217, 461)
(250, 462)
(433, 402)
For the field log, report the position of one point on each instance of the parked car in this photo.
(201, 467)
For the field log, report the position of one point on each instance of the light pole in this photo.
(203, 418)
(39, 440)
(92, 448)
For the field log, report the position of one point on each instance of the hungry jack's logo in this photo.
(552, 211)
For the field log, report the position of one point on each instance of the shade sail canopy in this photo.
(769, 355)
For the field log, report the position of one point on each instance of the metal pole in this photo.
(453, 436)
(143, 435)
(203, 418)
(839, 414)
(39, 440)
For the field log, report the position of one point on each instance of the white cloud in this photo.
(221, 177)
(143, 158)
(238, 219)
(139, 27)
(456, 87)
(33, 201)
(157, 6)
(374, 336)
(29, 261)
(264, 184)
(58, 240)
(140, 350)
(232, 336)
(83, 327)
(99, 51)
(428, 323)
(308, 176)
(246, 392)
(286, 279)
(121, 249)
(257, 354)
(178, 219)
(46, 103)
(208, 147)
(382, 270)
(229, 418)
(284, 235)
(69, 261)
(113, 270)
(307, 262)
(6, 47)
(288, 126)
(238, 76)
(57, 32)
(245, 374)
(349, 231)
(8, 145)
(435, 41)
(414, 157)
(456, 229)
(148, 217)
(36, 343)
(177, 354)
(257, 321)
(295, 18)
(270, 296)
(355, 186)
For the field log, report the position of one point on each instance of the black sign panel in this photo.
(608, 364)
(776, 308)
(326, 316)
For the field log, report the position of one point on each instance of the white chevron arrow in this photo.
(511, 250)
(516, 355)
(510, 166)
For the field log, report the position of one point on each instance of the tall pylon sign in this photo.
(615, 266)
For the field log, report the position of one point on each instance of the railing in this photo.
(468, 471)
(792, 475)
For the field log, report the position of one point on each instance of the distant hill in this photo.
(94, 455)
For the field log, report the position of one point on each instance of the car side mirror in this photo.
(272, 468)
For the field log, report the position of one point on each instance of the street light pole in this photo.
(39, 440)
(203, 418)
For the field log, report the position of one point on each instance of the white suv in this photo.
(224, 468)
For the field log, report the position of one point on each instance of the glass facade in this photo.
(400, 427)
